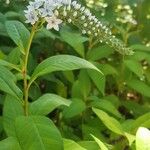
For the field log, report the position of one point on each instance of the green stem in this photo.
(26, 57)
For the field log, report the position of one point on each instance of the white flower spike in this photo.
(55, 12)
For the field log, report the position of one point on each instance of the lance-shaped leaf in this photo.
(7, 83)
(18, 33)
(10, 143)
(37, 133)
(110, 122)
(61, 63)
(11, 110)
(47, 103)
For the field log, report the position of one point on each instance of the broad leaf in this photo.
(37, 133)
(9, 65)
(76, 108)
(89, 145)
(61, 63)
(106, 105)
(130, 137)
(140, 87)
(98, 79)
(110, 122)
(71, 145)
(135, 67)
(143, 120)
(99, 52)
(12, 109)
(143, 139)
(7, 83)
(10, 143)
(47, 103)
(18, 33)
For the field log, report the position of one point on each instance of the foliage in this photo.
(67, 90)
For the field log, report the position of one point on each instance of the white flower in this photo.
(69, 20)
(66, 2)
(82, 17)
(83, 32)
(37, 4)
(75, 14)
(48, 8)
(31, 16)
(53, 22)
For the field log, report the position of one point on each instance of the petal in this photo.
(59, 21)
(49, 26)
(56, 27)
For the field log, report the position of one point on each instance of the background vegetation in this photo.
(106, 111)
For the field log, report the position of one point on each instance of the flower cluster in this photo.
(55, 12)
(125, 14)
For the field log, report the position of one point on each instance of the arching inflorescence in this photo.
(55, 12)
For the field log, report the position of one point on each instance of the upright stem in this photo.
(26, 57)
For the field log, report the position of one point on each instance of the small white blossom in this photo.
(64, 13)
(56, 13)
(77, 6)
(31, 16)
(93, 28)
(47, 10)
(96, 34)
(83, 32)
(66, 2)
(85, 24)
(82, 9)
(89, 32)
(82, 17)
(37, 4)
(74, 3)
(75, 14)
(69, 20)
(53, 22)
(91, 23)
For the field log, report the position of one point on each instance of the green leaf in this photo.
(47, 103)
(77, 107)
(143, 121)
(12, 109)
(84, 85)
(139, 86)
(98, 79)
(130, 137)
(108, 69)
(143, 139)
(9, 144)
(74, 39)
(99, 52)
(89, 145)
(37, 133)
(140, 47)
(18, 33)
(61, 63)
(71, 145)
(14, 56)
(10, 65)
(7, 83)
(107, 106)
(100, 143)
(135, 67)
(110, 122)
